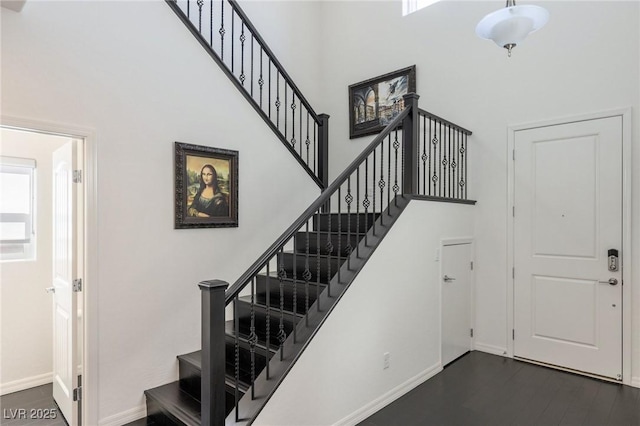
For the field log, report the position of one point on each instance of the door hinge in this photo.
(471, 334)
(77, 176)
(77, 285)
(513, 334)
(472, 266)
(77, 393)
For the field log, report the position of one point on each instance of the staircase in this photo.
(179, 402)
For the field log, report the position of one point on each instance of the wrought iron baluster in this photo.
(339, 229)
(200, 4)
(278, 98)
(188, 9)
(261, 79)
(253, 339)
(300, 131)
(211, 23)
(454, 163)
(293, 121)
(222, 31)
(463, 183)
(440, 159)
(329, 248)
(295, 286)
(396, 188)
(242, 40)
(381, 182)
(373, 193)
(282, 275)
(315, 148)
(233, 37)
(236, 326)
(425, 156)
(285, 108)
(252, 40)
(358, 211)
(366, 203)
(306, 275)
(349, 198)
(269, 88)
(449, 151)
(389, 171)
(268, 320)
(432, 156)
(308, 141)
(318, 218)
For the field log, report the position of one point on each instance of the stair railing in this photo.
(391, 166)
(230, 38)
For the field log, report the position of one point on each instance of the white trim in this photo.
(29, 382)
(627, 322)
(90, 282)
(386, 399)
(635, 382)
(490, 349)
(125, 417)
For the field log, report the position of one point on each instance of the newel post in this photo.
(410, 131)
(213, 353)
(323, 153)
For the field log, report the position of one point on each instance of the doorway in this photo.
(46, 285)
(456, 296)
(567, 184)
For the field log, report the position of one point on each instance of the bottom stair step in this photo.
(170, 405)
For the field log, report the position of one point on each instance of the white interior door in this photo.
(456, 301)
(65, 377)
(567, 216)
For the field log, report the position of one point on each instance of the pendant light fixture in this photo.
(509, 26)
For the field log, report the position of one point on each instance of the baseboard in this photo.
(29, 382)
(490, 349)
(125, 417)
(386, 399)
(635, 382)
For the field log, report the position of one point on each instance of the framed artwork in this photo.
(206, 193)
(374, 103)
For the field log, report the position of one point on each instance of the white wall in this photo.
(26, 325)
(392, 306)
(585, 60)
(132, 74)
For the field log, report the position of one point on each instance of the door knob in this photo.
(447, 279)
(50, 289)
(611, 281)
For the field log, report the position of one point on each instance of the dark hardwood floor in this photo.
(483, 389)
(30, 407)
(477, 389)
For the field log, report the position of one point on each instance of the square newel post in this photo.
(213, 353)
(410, 132)
(323, 154)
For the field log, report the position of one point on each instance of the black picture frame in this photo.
(201, 171)
(374, 103)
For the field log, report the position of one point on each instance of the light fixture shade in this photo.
(511, 25)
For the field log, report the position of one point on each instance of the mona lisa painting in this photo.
(206, 193)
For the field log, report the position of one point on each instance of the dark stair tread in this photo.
(195, 359)
(274, 309)
(176, 402)
(288, 281)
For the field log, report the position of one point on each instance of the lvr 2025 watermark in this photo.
(31, 414)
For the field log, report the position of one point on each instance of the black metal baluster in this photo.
(425, 156)
(252, 40)
(306, 275)
(300, 131)
(440, 160)
(329, 248)
(373, 193)
(381, 182)
(389, 171)
(236, 326)
(278, 98)
(242, 40)
(454, 163)
(200, 4)
(449, 164)
(261, 79)
(233, 38)
(253, 339)
(349, 198)
(339, 229)
(318, 218)
(222, 31)
(211, 23)
(293, 121)
(308, 141)
(358, 211)
(188, 9)
(463, 151)
(315, 149)
(396, 188)
(295, 286)
(365, 202)
(432, 156)
(268, 323)
(282, 275)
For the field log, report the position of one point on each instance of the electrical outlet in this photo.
(386, 360)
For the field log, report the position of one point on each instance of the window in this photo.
(410, 6)
(17, 212)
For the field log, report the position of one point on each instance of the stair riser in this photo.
(260, 322)
(361, 222)
(338, 241)
(326, 265)
(287, 293)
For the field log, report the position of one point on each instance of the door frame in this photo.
(90, 253)
(472, 286)
(627, 258)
